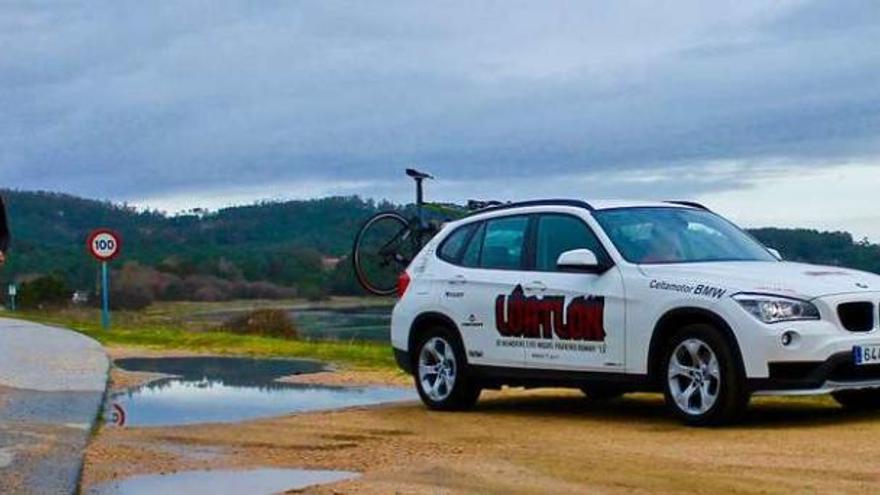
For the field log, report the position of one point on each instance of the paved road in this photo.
(52, 384)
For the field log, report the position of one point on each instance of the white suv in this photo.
(615, 297)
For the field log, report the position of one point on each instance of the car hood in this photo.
(783, 278)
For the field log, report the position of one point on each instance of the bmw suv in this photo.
(618, 297)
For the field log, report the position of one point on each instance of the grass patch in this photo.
(158, 330)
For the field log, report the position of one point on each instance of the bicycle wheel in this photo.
(383, 248)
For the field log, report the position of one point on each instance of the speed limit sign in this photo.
(104, 244)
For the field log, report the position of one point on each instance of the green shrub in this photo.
(128, 297)
(266, 322)
(46, 290)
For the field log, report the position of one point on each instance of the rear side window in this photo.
(471, 256)
(453, 246)
(503, 243)
(560, 233)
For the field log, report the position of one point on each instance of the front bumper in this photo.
(817, 345)
(816, 377)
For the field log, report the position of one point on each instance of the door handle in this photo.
(458, 280)
(536, 286)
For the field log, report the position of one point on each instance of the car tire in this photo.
(602, 393)
(858, 400)
(441, 373)
(702, 378)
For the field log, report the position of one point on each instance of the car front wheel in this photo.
(703, 385)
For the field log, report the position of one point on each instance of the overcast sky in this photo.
(767, 111)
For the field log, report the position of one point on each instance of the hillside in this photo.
(281, 243)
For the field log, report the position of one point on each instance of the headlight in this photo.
(775, 309)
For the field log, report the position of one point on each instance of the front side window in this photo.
(503, 243)
(677, 235)
(560, 233)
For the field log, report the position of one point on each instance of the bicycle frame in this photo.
(414, 232)
(420, 197)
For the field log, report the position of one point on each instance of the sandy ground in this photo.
(547, 441)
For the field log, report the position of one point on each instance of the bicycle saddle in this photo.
(415, 174)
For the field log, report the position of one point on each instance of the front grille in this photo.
(839, 368)
(857, 316)
(849, 372)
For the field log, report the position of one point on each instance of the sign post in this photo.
(104, 245)
(13, 291)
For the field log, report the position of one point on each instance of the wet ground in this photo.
(231, 482)
(523, 442)
(51, 386)
(222, 390)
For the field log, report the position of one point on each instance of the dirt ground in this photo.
(516, 441)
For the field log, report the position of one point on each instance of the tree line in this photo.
(265, 250)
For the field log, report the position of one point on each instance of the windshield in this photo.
(677, 235)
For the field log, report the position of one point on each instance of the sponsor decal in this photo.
(472, 322)
(774, 288)
(697, 290)
(531, 317)
(825, 273)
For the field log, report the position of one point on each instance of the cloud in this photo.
(126, 100)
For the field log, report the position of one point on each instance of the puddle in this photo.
(253, 482)
(225, 390)
(231, 370)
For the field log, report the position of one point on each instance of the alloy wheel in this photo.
(694, 377)
(437, 369)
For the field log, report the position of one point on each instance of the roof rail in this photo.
(538, 202)
(692, 204)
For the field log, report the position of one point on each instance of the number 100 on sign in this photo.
(104, 245)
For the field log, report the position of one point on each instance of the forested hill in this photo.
(278, 242)
(281, 243)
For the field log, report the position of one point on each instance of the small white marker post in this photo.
(104, 245)
(13, 291)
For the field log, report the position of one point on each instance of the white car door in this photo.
(488, 270)
(582, 315)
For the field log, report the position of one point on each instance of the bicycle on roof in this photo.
(388, 241)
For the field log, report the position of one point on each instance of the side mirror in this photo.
(776, 254)
(579, 260)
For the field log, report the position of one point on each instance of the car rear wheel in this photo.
(702, 382)
(858, 400)
(441, 373)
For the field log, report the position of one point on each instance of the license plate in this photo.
(866, 354)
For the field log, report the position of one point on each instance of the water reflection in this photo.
(229, 370)
(220, 390)
(255, 481)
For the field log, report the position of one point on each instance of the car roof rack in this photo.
(692, 204)
(538, 202)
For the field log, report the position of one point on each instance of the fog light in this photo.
(789, 338)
